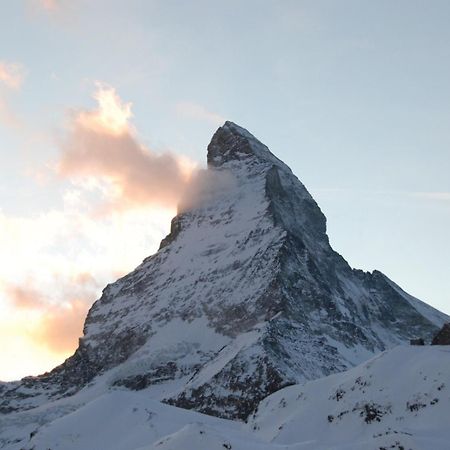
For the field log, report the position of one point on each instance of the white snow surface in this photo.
(398, 399)
(407, 389)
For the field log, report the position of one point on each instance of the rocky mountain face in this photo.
(443, 336)
(244, 297)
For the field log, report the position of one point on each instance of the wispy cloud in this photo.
(56, 326)
(12, 74)
(62, 12)
(195, 111)
(49, 5)
(23, 297)
(101, 143)
(8, 116)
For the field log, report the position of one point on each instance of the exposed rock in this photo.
(443, 336)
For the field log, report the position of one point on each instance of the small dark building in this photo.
(443, 336)
(419, 341)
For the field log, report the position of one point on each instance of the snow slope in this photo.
(400, 399)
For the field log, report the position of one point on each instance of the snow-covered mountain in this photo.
(399, 400)
(244, 297)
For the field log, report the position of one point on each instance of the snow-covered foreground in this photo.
(127, 420)
(398, 400)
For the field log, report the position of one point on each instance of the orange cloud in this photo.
(54, 326)
(24, 297)
(102, 144)
(85, 278)
(11, 74)
(112, 115)
(60, 327)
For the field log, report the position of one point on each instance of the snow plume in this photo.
(102, 144)
(205, 188)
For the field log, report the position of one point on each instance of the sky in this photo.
(107, 107)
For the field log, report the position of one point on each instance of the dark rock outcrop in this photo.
(443, 336)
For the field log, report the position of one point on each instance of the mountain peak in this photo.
(244, 297)
(232, 142)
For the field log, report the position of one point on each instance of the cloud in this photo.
(102, 144)
(56, 326)
(8, 117)
(24, 297)
(11, 74)
(61, 327)
(80, 286)
(49, 5)
(111, 116)
(198, 112)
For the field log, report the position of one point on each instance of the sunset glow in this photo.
(44, 297)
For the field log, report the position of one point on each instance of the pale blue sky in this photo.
(353, 95)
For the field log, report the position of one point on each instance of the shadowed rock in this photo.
(443, 336)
